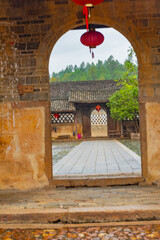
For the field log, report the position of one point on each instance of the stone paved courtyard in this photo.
(49, 207)
(98, 157)
(48, 198)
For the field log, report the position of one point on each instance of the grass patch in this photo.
(134, 145)
(61, 149)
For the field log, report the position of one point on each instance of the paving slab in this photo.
(80, 205)
(98, 157)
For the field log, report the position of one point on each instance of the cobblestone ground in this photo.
(94, 233)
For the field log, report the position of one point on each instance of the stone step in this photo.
(81, 215)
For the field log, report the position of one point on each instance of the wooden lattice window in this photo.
(63, 118)
(99, 118)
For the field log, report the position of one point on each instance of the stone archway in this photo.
(29, 31)
(140, 48)
(99, 126)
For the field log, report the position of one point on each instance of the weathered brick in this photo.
(2, 29)
(17, 29)
(44, 79)
(44, 16)
(37, 21)
(34, 96)
(28, 62)
(15, 18)
(157, 91)
(36, 90)
(25, 35)
(45, 27)
(20, 46)
(3, 18)
(27, 52)
(22, 80)
(23, 22)
(141, 22)
(61, 2)
(31, 80)
(32, 45)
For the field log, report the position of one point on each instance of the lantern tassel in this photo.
(85, 13)
(92, 54)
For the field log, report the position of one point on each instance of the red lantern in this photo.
(87, 5)
(92, 39)
(56, 115)
(98, 108)
(87, 2)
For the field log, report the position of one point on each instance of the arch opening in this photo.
(76, 131)
(99, 126)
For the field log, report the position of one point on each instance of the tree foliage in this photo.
(123, 103)
(107, 70)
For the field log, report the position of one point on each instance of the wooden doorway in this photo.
(86, 123)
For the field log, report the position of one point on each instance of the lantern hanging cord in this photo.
(85, 13)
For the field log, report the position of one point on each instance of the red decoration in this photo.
(87, 5)
(98, 108)
(92, 39)
(56, 115)
(87, 2)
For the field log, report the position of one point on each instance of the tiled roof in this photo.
(60, 90)
(90, 96)
(62, 105)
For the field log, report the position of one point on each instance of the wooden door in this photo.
(86, 123)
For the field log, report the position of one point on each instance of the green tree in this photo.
(54, 79)
(107, 70)
(123, 103)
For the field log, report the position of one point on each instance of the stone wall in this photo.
(28, 32)
(63, 129)
(23, 146)
(153, 141)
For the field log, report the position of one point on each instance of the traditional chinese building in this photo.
(79, 110)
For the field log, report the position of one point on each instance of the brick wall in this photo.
(29, 30)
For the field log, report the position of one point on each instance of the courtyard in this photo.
(96, 157)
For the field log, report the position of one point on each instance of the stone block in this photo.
(15, 18)
(2, 29)
(31, 80)
(17, 29)
(45, 16)
(28, 62)
(141, 22)
(32, 45)
(25, 35)
(22, 147)
(22, 80)
(153, 140)
(27, 52)
(46, 27)
(37, 96)
(20, 46)
(44, 79)
(157, 91)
